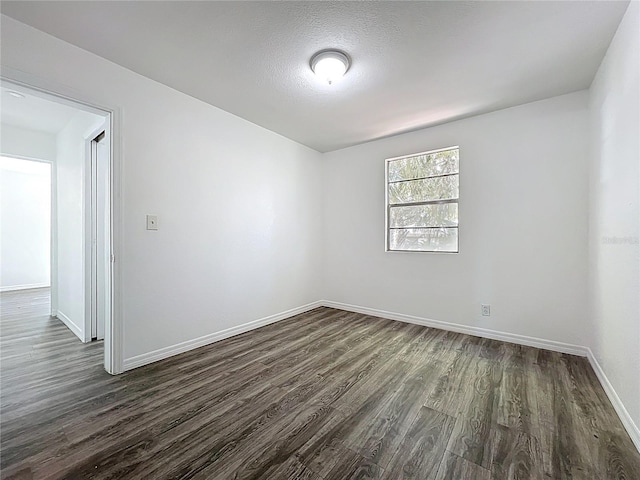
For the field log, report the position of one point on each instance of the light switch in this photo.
(152, 222)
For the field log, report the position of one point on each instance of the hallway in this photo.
(39, 363)
(47, 343)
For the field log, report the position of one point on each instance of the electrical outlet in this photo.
(152, 222)
(486, 310)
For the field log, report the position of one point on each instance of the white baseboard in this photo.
(629, 425)
(77, 331)
(11, 288)
(162, 353)
(469, 330)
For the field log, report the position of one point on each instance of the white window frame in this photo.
(433, 202)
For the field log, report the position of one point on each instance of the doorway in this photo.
(25, 223)
(81, 250)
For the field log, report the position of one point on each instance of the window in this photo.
(422, 201)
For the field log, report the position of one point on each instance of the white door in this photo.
(100, 241)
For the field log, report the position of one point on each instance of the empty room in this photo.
(320, 240)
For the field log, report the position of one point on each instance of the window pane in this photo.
(427, 165)
(424, 239)
(444, 215)
(437, 188)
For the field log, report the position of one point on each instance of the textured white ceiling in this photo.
(415, 64)
(33, 113)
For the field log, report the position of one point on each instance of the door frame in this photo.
(90, 205)
(33, 85)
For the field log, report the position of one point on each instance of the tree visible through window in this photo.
(422, 201)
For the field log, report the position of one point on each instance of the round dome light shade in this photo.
(330, 65)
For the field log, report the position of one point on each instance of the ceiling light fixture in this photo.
(15, 94)
(330, 65)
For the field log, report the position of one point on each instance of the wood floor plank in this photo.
(291, 469)
(390, 424)
(454, 467)
(324, 395)
(320, 454)
(422, 449)
(476, 414)
(515, 455)
(351, 466)
(517, 403)
(446, 392)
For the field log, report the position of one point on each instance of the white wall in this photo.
(523, 225)
(239, 206)
(26, 143)
(614, 255)
(25, 224)
(71, 217)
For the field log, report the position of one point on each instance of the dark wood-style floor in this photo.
(323, 395)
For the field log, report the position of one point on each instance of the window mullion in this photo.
(426, 202)
(424, 178)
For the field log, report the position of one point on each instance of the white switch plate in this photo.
(152, 222)
(486, 310)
